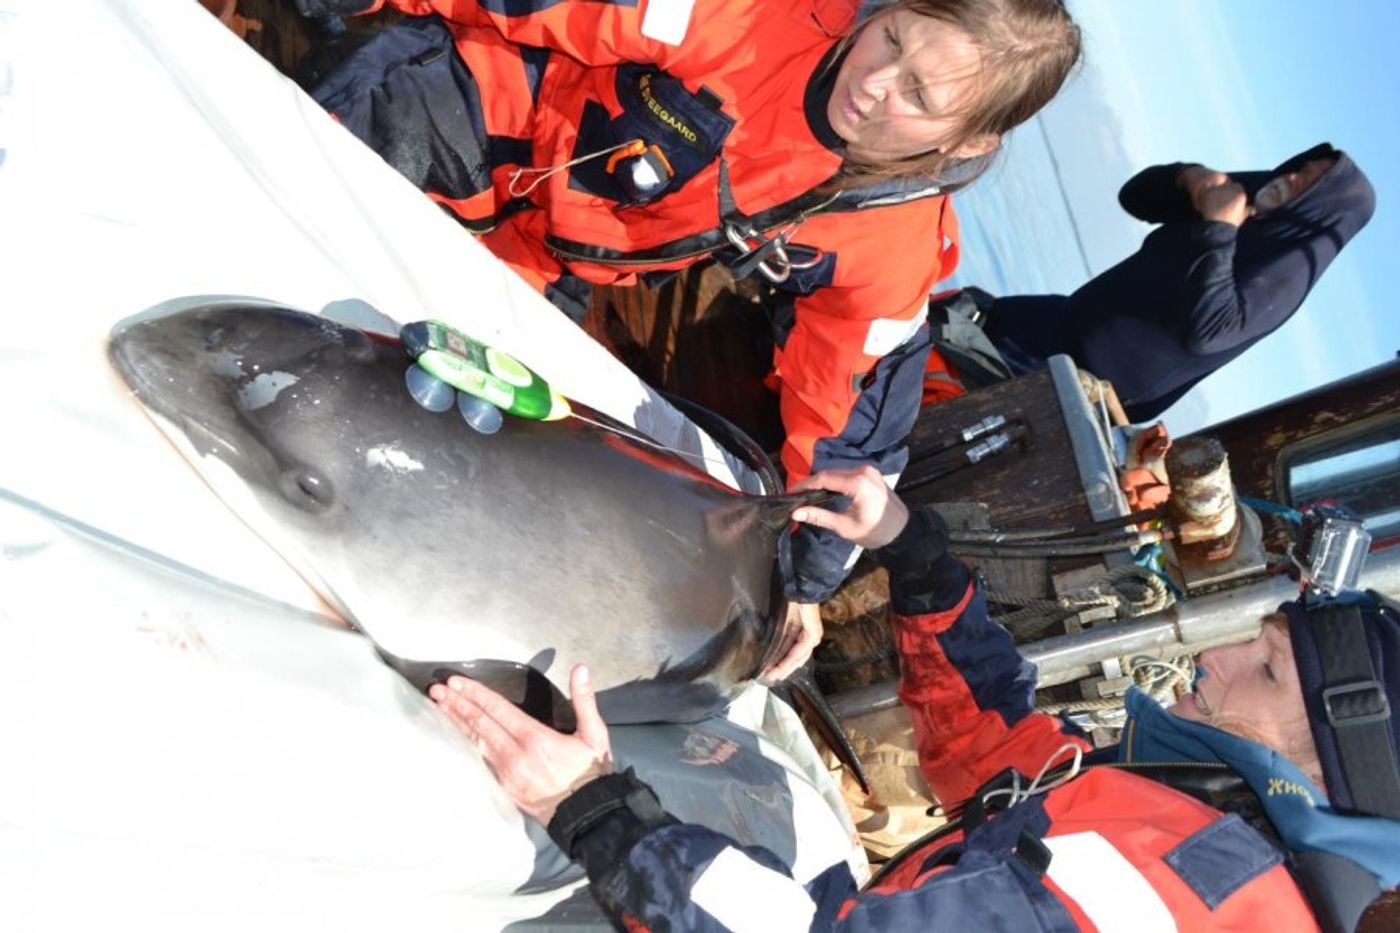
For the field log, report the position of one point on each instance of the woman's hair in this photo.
(1027, 48)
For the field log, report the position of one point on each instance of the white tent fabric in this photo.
(185, 742)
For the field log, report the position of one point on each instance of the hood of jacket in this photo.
(1298, 810)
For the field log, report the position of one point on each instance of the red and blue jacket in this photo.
(514, 129)
(1107, 850)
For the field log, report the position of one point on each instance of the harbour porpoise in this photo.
(513, 555)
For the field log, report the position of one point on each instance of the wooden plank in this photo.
(1035, 485)
(700, 336)
(274, 30)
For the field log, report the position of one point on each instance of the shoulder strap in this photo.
(1337, 889)
(1357, 709)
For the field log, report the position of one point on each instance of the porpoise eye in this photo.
(307, 490)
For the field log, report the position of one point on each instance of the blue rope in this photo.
(1151, 557)
(1273, 508)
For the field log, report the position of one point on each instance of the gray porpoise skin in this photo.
(545, 544)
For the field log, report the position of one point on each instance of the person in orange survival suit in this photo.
(602, 140)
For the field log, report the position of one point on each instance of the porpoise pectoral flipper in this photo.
(566, 539)
(522, 684)
(809, 699)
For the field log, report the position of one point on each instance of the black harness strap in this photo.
(1357, 709)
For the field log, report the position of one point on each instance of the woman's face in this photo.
(900, 87)
(1253, 684)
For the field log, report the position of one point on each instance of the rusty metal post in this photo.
(1203, 498)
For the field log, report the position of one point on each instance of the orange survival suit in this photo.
(537, 131)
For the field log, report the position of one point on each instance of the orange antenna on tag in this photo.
(635, 148)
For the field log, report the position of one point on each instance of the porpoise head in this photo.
(245, 386)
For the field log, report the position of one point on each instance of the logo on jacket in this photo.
(1278, 786)
(659, 111)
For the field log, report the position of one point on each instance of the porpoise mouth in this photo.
(229, 341)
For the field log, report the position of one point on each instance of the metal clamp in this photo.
(985, 426)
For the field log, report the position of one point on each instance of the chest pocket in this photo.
(686, 129)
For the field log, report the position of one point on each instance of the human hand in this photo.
(876, 515)
(536, 766)
(1214, 195)
(806, 618)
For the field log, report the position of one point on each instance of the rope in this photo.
(544, 172)
(1030, 624)
(1131, 591)
(1016, 793)
(1160, 679)
(1273, 508)
(1155, 595)
(1081, 706)
(1023, 602)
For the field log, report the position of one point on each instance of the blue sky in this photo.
(1243, 84)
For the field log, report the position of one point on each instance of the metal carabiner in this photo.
(739, 239)
(786, 236)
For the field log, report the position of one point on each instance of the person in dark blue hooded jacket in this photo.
(1233, 259)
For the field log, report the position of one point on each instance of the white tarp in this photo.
(175, 754)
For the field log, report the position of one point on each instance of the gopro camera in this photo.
(1331, 549)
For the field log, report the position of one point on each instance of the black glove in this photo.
(1154, 195)
(924, 577)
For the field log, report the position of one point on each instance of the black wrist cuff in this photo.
(924, 577)
(620, 806)
(922, 541)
